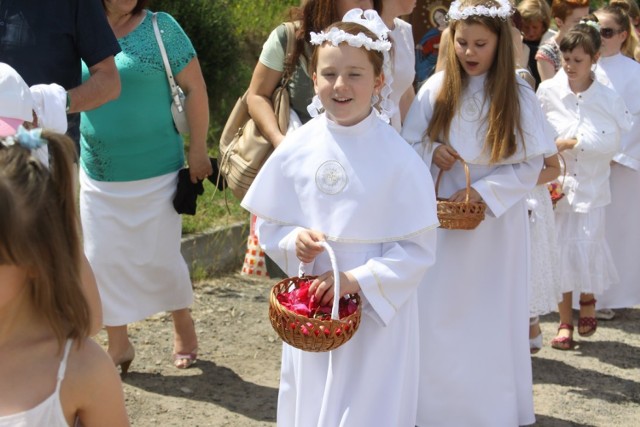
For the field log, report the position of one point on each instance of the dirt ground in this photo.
(235, 381)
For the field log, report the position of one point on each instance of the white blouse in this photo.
(621, 74)
(596, 118)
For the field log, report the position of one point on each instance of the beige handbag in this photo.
(243, 149)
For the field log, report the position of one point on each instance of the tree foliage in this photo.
(228, 36)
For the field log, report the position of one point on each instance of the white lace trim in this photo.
(456, 13)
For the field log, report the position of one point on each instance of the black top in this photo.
(533, 65)
(45, 41)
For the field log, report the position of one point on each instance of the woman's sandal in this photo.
(563, 343)
(591, 323)
(535, 343)
(185, 360)
(126, 361)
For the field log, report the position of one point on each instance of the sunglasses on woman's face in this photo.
(607, 33)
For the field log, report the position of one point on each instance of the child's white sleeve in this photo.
(388, 281)
(629, 123)
(279, 242)
(508, 184)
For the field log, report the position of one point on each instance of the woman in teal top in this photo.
(130, 156)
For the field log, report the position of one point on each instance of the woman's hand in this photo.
(323, 286)
(460, 195)
(199, 165)
(308, 245)
(444, 157)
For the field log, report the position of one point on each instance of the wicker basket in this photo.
(306, 333)
(459, 215)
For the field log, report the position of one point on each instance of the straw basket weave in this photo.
(459, 215)
(306, 333)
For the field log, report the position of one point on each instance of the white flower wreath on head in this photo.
(372, 21)
(455, 13)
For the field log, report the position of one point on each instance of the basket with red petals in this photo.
(303, 323)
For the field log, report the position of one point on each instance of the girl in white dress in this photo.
(545, 288)
(622, 227)
(402, 53)
(51, 373)
(475, 365)
(348, 178)
(588, 118)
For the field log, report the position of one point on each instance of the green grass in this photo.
(212, 211)
(254, 21)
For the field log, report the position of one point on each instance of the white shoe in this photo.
(605, 314)
(535, 344)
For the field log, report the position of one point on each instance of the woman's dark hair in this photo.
(314, 16)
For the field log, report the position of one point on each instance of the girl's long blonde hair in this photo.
(501, 89)
(39, 231)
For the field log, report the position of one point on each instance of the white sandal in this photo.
(535, 343)
(605, 314)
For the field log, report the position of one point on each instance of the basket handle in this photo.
(336, 279)
(467, 176)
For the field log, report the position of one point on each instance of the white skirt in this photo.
(586, 264)
(545, 291)
(132, 240)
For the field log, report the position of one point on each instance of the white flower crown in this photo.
(369, 19)
(456, 14)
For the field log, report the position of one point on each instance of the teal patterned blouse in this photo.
(133, 137)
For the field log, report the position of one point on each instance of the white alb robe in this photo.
(366, 189)
(622, 225)
(475, 366)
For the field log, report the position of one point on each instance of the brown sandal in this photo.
(591, 323)
(563, 343)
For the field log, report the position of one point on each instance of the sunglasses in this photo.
(607, 33)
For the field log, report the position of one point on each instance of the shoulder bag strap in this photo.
(167, 66)
(291, 43)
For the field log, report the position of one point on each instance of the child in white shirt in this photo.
(588, 118)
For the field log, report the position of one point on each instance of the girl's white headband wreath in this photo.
(372, 21)
(456, 13)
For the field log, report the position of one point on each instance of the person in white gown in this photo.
(545, 291)
(475, 367)
(622, 226)
(346, 177)
(403, 71)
